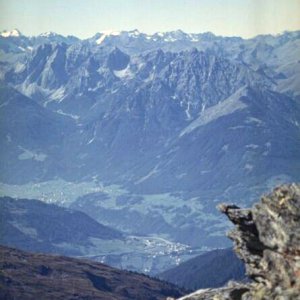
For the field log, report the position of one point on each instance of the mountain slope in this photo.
(31, 137)
(227, 153)
(33, 225)
(34, 276)
(259, 118)
(212, 269)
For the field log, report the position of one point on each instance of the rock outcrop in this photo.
(267, 239)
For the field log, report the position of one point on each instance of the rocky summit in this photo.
(267, 239)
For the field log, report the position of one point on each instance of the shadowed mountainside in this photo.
(212, 269)
(38, 276)
(32, 225)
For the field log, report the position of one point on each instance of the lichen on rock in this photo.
(267, 239)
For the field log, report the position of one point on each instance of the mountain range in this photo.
(147, 133)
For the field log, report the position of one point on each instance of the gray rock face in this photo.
(267, 239)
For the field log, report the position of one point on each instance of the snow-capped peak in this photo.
(110, 32)
(105, 34)
(11, 33)
(48, 34)
(134, 32)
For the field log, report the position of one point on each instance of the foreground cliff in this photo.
(267, 239)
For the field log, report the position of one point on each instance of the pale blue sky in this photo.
(83, 18)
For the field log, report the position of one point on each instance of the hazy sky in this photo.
(84, 18)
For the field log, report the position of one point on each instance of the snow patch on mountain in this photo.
(48, 34)
(8, 138)
(10, 33)
(75, 117)
(248, 167)
(4, 104)
(125, 73)
(254, 120)
(19, 67)
(105, 34)
(134, 33)
(101, 39)
(225, 148)
(28, 154)
(58, 94)
(150, 174)
(30, 231)
(251, 146)
(93, 138)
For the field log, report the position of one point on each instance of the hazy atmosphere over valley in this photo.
(117, 143)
